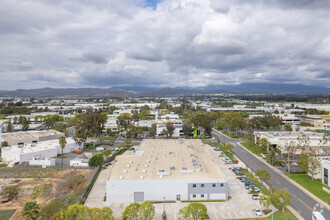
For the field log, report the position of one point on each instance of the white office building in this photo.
(174, 169)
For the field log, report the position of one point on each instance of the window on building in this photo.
(202, 185)
(194, 185)
(202, 195)
(221, 184)
(194, 195)
(326, 176)
(213, 185)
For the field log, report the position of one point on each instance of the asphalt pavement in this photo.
(300, 202)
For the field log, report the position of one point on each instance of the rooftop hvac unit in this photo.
(195, 164)
(128, 166)
(146, 165)
(172, 168)
(160, 176)
(192, 155)
(193, 160)
(184, 168)
(124, 171)
(131, 161)
(121, 177)
(141, 177)
(144, 171)
(148, 161)
(161, 170)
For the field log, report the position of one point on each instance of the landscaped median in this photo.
(287, 215)
(255, 149)
(314, 186)
(225, 148)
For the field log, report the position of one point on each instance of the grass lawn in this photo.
(256, 182)
(314, 186)
(254, 148)
(5, 214)
(287, 215)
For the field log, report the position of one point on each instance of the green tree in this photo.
(50, 209)
(30, 210)
(144, 115)
(194, 211)
(314, 166)
(203, 120)
(146, 211)
(10, 191)
(265, 201)
(96, 160)
(132, 211)
(271, 156)
(263, 175)
(170, 128)
(106, 152)
(62, 141)
(25, 124)
(10, 127)
(281, 199)
(89, 125)
(124, 121)
(4, 144)
(81, 212)
(152, 131)
(187, 128)
(304, 161)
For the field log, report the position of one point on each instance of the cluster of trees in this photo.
(49, 120)
(280, 199)
(18, 120)
(10, 192)
(137, 211)
(31, 211)
(88, 125)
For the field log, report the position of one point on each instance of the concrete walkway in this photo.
(96, 196)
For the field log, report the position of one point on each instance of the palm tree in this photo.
(62, 141)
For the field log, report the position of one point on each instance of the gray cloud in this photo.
(178, 43)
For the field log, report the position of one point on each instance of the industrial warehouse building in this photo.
(28, 137)
(36, 151)
(166, 169)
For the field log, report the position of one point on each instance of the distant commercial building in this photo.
(28, 137)
(290, 119)
(281, 139)
(161, 127)
(166, 169)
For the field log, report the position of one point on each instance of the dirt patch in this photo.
(65, 184)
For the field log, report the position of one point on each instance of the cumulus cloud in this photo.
(106, 43)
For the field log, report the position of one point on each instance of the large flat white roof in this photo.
(167, 159)
(29, 134)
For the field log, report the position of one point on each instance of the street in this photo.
(301, 202)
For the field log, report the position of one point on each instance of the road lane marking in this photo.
(306, 205)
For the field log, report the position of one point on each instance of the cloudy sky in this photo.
(104, 43)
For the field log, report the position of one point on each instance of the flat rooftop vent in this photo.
(124, 171)
(141, 177)
(172, 168)
(146, 165)
(128, 166)
(148, 161)
(144, 171)
(131, 161)
(184, 168)
(121, 177)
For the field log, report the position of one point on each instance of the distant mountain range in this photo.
(245, 88)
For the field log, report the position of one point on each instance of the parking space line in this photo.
(229, 215)
(249, 214)
(222, 215)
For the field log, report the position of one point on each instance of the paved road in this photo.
(301, 202)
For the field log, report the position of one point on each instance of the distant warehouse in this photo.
(166, 169)
(27, 137)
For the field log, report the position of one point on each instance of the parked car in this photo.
(295, 164)
(255, 196)
(254, 189)
(244, 179)
(78, 151)
(257, 211)
(217, 149)
(282, 164)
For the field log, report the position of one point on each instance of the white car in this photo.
(295, 164)
(256, 189)
(257, 211)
